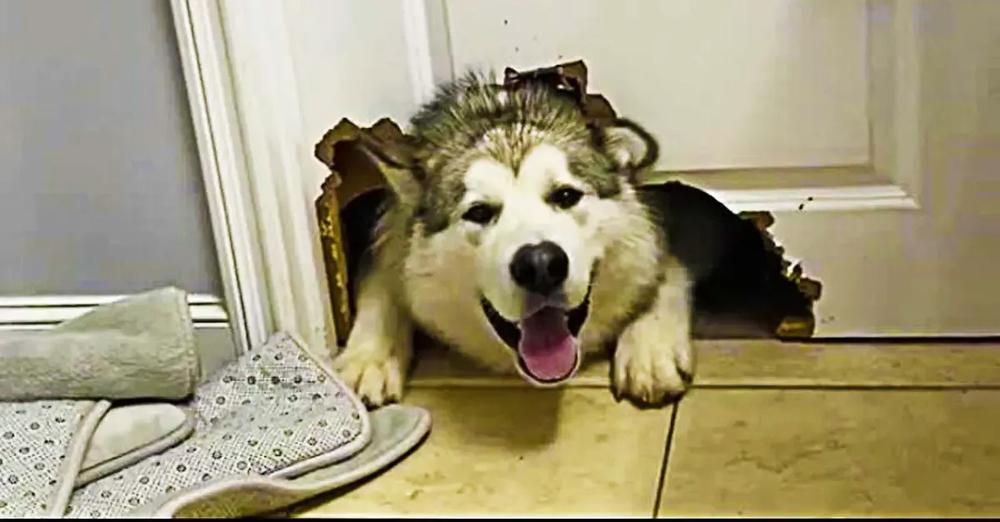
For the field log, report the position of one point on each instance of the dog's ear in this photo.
(628, 145)
(397, 159)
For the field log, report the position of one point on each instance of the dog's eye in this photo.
(480, 213)
(565, 197)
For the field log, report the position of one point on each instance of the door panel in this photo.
(100, 190)
(722, 83)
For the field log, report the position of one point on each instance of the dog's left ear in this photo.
(627, 144)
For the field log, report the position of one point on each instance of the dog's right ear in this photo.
(630, 147)
(397, 159)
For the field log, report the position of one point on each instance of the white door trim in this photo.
(217, 129)
(46, 311)
(418, 45)
(814, 199)
(241, 82)
(278, 153)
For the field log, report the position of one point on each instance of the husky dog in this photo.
(516, 234)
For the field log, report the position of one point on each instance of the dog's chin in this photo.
(545, 342)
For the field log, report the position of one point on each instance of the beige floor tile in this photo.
(518, 451)
(773, 363)
(840, 452)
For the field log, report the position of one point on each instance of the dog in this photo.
(516, 233)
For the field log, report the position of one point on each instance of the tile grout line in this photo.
(666, 458)
(495, 384)
(849, 387)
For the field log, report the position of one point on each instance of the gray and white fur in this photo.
(489, 173)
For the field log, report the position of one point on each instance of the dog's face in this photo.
(524, 212)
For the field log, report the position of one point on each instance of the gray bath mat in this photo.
(271, 429)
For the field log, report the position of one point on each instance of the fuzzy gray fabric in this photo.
(396, 430)
(41, 450)
(139, 347)
(270, 429)
(272, 412)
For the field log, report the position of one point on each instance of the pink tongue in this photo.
(547, 347)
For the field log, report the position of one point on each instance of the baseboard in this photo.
(45, 311)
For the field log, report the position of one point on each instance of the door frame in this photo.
(243, 97)
(216, 129)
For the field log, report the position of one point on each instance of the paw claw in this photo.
(686, 376)
(649, 372)
(376, 378)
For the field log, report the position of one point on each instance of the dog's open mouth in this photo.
(545, 341)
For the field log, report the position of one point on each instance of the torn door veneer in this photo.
(353, 173)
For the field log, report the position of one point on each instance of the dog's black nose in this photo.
(540, 268)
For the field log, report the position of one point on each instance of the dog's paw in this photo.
(650, 366)
(376, 377)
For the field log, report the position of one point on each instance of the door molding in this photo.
(45, 311)
(217, 131)
(244, 100)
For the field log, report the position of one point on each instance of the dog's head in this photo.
(519, 183)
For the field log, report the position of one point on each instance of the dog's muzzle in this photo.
(545, 342)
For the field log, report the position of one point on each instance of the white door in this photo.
(870, 128)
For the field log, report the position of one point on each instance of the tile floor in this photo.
(769, 429)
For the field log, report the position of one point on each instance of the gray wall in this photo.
(100, 186)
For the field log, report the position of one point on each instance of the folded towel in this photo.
(139, 347)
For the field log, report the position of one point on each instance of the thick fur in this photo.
(476, 144)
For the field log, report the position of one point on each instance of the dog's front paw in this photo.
(651, 366)
(376, 376)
